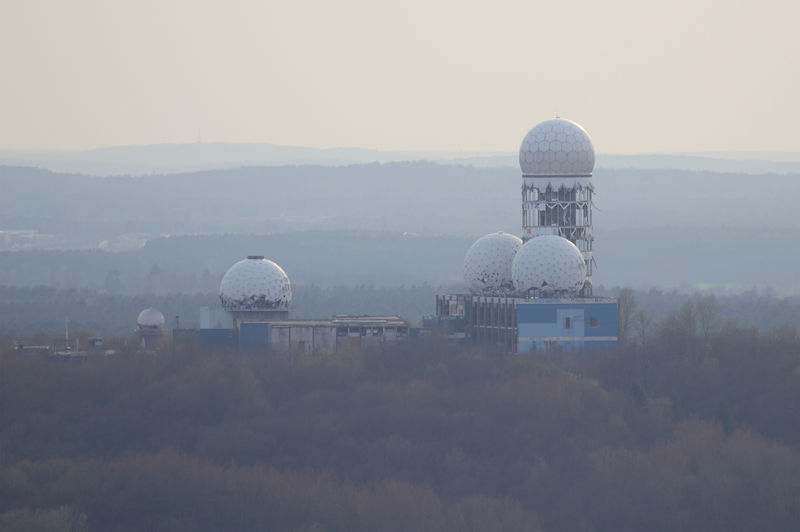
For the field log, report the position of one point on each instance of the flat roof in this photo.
(369, 320)
(296, 323)
(532, 300)
(342, 321)
(569, 300)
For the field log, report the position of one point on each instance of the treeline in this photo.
(192, 264)
(689, 425)
(638, 255)
(26, 311)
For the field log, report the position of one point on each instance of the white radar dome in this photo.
(255, 284)
(549, 263)
(556, 147)
(487, 265)
(150, 317)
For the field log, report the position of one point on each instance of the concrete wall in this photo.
(215, 318)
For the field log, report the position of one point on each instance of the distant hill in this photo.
(416, 198)
(173, 158)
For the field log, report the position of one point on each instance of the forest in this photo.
(691, 424)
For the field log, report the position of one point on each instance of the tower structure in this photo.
(150, 328)
(557, 158)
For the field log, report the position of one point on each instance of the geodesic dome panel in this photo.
(549, 263)
(255, 284)
(487, 264)
(150, 317)
(556, 147)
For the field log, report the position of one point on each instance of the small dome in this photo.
(556, 147)
(255, 284)
(548, 263)
(150, 317)
(487, 265)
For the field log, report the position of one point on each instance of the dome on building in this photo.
(151, 317)
(255, 284)
(487, 265)
(549, 263)
(556, 147)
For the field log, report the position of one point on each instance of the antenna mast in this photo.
(66, 330)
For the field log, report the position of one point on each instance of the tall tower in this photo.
(557, 159)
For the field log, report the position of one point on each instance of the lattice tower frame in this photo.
(560, 206)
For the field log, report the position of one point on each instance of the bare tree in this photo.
(642, 322)
(626, 304)
(707, 313)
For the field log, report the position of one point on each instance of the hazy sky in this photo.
(640, 76)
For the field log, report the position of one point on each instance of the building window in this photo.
(568, 323)
(594, 323)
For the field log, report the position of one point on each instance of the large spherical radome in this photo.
(549, 263)
(255, 284)
(150, 317)
(487, 264)
(556, 147)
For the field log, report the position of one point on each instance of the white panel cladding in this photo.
(487, 264)
(557, 147)
(549, 263)
(215, 318)
(255, 284)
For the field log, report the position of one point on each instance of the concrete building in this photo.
(569, 324)
(255, 294)
(340, 334)
(522, 325)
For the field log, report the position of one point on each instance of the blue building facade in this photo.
(569, 324)
(522, 325)
(253, 336)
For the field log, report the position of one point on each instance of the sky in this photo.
(640, 76)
